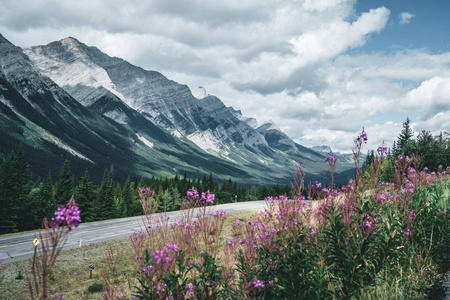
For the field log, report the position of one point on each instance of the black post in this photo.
(91, 267)
(34, 257)
(35, 243)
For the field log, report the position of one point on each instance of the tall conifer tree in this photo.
(64, 184)
(85, 196)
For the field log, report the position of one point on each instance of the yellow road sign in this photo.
(36, 242)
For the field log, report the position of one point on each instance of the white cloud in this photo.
(405, 17)
(288, 61)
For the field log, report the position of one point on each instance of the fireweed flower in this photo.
(257, 284)
(168, 260)
(67, 213)
(220, 213)
(148, 269)
(407, 232)
(368, 224)
(210, 198)
(158, 257)
(190, 289)
(331, 157)
(362, 138)
(176, 223)
(193, 193)
(172, 247)
(382, 150)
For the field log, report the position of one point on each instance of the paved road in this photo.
(19, 246)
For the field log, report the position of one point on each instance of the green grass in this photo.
(70, 275)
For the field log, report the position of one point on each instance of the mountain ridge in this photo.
(163, 128)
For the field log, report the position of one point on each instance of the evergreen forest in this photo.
(25, 201)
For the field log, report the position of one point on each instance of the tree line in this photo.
(433, 150)
(26, 202)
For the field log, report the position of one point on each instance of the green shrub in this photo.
(95, 287)
(19, 276)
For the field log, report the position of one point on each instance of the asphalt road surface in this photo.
(20, 246)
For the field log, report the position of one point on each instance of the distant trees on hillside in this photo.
(434, 151)
(25, 202)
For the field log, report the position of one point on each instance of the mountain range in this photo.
(70, 101)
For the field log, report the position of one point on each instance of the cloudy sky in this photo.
(320, 69)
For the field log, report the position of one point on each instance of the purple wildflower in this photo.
(172, 247)
(368, 224)
(257, 284)
(382, 150)
(331, 157)
(220, 213)
(193, 193)
(67, 213)
(158, 257)
(190, 289)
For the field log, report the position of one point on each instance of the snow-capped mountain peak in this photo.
(199, 92)
(270, 125)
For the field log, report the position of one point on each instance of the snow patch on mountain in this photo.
(177, 134)
(68, 149)
(81, 71)
(117, 115)
(145, 141)
(249, 120)
(6, 102)
(199, 92)
(322, 148)
(207, 142)
(44, 134)
(269, 125)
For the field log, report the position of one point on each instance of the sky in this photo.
(320, 69)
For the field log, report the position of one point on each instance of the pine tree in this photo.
(159, 198)
(210, 183)
(230, 186)
(64, 185)
(167, 201)
(42, 203)
(224, 186)
(104, 204)
(176, 197)
(127, 198)
(13, 191)
(85, 196)
(404, 137)
(21, 183)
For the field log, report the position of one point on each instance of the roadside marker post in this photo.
(91, 267)
(35, 243)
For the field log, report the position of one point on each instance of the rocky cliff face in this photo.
(89, 75)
